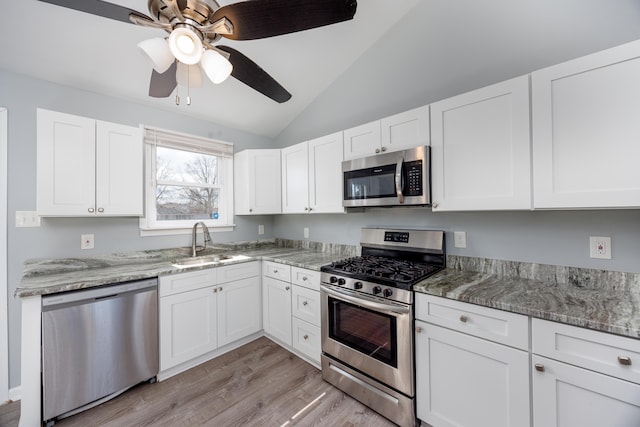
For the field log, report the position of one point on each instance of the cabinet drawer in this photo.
(610, 354)
(307, 278)
(305, 304)
(495, 325)
(183, 282)
(229, 273)
(306, 339)
(276, 271)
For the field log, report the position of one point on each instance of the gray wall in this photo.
(60, 237)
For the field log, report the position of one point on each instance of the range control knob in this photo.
(387, 293)
(376, 290)
(357, 285)
(333, 279)
(341, 281)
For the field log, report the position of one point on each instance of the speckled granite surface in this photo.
(49, 276)
(603, 300)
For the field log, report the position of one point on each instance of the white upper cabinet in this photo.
(398, 132)
(312, 176)
(87, 167)
(586, 131)
(480, 148)
(257, 182)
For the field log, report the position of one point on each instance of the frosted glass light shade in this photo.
(158, 52)
(188, 75)
(185, 45)
(216, 66)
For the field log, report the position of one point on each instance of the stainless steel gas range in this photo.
(367, 318)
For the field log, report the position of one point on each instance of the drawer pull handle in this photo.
(624, 360)
(539, 367)
(305, 303)
(463, 318)
(306, 337)
(419, 329)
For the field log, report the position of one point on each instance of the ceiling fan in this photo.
(194, 26)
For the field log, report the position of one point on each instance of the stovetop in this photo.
(397, 273)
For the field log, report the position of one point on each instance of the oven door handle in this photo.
(399, 180)
(366, 302)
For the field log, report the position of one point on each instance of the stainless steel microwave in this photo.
(399, 178)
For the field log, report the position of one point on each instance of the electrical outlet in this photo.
(460, 239)
(261, 229)
(306, 232)
(86, 241)
(600, 247)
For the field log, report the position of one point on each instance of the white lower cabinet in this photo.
(291, 308)
(593, 381)
(204, 310)
(466, 381)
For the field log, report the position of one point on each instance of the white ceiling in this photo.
(89, 52)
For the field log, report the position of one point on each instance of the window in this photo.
(188, 179)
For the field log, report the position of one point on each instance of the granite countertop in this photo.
(49, 276)
(602, 300)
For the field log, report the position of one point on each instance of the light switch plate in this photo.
(27, 219)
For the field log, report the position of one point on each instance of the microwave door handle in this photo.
(399, 180)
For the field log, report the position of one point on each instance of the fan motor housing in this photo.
(199, 11)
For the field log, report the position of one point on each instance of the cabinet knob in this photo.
(220, 289)
(306, 337)
(287, 288)
(304, 278)
(275, 271)
(91, 210)
(377, 150)
(419, 329)
(383, 149)
(100, 210)
(310, 209)
(624, 360)
(215, 290)
(305, 303)
(434, 205)
(539, 367)
(463, 318)
(250, 210)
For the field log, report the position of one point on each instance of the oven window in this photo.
(364, 330)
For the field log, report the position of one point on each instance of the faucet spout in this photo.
(206, 237)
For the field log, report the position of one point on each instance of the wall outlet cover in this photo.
(600, 247)
(86, 241)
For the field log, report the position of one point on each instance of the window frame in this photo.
(154, 137)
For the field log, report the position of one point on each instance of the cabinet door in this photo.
(568, 396)
(464, 381)
(306, 339)
(295, 179)
(276, 309)
(362, 141)
(239, 309)
(405, 130)
(325, 174)
(188, 326)
(585, 131)
(257, 181)
(65, 164)
(480, 149)
(119, 170)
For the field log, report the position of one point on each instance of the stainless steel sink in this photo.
(206, 260)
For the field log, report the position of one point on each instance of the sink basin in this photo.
(206, 260)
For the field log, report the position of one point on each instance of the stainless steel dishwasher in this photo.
(96, 343)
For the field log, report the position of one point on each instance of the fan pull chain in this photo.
(177, 95)
(188, 84)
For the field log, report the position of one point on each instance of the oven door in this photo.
(369, 334)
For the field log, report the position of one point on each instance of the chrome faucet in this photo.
(206, 235)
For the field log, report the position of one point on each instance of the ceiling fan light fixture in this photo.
(215, 66)
(157, 51)
(185, 45)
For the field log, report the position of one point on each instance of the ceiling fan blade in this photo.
(257, 19)
(251, 74)
(100, 8)
(162, 84)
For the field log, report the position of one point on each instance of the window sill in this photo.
(145, 232)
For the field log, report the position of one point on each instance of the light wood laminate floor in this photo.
(259, 384)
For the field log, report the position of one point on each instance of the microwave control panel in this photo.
(413, 178)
